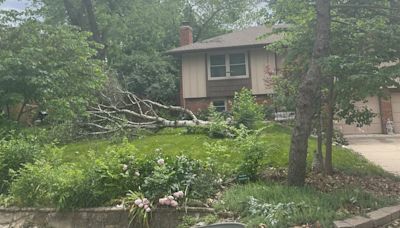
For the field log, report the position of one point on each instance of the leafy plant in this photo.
(139, 208)
(15, 152)
(190, 221)
(274, 213)
(220, 126)
(245, 109)
(249, 144)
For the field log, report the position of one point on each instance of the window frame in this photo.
(225, 104)
(228, 64)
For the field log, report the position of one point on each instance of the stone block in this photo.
(394, 211)
(341, 224)
(380, 217)
(360, 222)
(6, 218)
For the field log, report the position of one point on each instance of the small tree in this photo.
(245, 109)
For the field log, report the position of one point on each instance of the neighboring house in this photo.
(214, 69)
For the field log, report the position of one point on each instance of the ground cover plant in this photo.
(281, 206)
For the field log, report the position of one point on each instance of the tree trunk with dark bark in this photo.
(93, 26)
(329, 129)
(309, 89)
(74, 15)
(92, 20)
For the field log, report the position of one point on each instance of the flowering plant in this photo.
(139, 208)
(171, 200)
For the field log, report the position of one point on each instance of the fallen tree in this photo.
(124, 110)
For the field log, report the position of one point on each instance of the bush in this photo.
(219, 126)
(198, 180)
(250, 146)
(245, 109)
(95, 181)
(100, 178)
(15, 152)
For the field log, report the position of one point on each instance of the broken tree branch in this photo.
(132, 112)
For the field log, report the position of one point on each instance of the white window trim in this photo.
(227, 65)
(225, 103)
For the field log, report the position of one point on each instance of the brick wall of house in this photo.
(199, 104)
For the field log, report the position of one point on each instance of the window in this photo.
(219, 105)
(228, 66)
(217, 66)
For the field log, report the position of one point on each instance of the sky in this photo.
(14, 4)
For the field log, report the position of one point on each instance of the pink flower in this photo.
(146, 201)
(148, 209)
(141, 205)
(160, 161)
(138, 201)
(161, 201)
(170, 197)
(179, 194)
(174, 203)
(145, 206)
(167, 202)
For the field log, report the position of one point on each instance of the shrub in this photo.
(198, 180)
(94, 181)
(248, 144)
(219, 126)
(101, 177)
(245, 109)
(15, 152)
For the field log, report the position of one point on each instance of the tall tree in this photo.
(363, 36)
(308, 90)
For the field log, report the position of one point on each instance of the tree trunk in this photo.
(8, 111)
(92, 20)
(75, 17)
(93, 26)
(305, 101)
(329, 128)
(21, 111)
(318, 160)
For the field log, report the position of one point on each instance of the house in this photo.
(213, 69)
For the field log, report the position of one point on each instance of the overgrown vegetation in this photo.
(283, 206)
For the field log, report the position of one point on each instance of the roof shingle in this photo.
(246, 37)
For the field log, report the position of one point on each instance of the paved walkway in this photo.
(382, 150)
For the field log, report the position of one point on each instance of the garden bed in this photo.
(93, 173)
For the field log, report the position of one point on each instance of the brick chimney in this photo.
(185, 34)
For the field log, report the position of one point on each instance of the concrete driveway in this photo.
(383, 150)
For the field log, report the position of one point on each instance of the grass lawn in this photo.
(172, 142)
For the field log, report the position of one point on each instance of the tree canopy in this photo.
(362, 60)
(51, 66)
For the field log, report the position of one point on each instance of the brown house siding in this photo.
(226, 88)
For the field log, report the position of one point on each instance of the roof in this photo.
(246, 37)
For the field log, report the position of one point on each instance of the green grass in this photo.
(315, 206)
(276, 139)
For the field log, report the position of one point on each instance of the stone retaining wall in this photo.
(374, 219)
(93, 217)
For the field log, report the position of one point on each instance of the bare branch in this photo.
(133, 112)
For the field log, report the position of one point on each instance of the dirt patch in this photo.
(377, 185)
